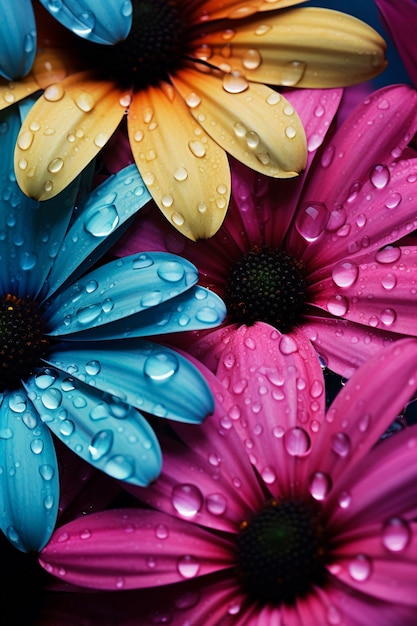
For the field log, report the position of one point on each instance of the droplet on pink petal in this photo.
(186, 499)
(360, 568)
(345, 274)
(312, 220)
(396, 534)
(297, 441)
(320, 485)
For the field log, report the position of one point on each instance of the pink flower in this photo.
(341, 275)
(400, 19)
(272, 512)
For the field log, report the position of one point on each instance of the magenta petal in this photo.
(363, 410)
(133, 548)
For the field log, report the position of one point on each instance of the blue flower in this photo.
(73, 355)
(95, 20)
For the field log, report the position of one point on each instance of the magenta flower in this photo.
(273, 511)
(400, 19)
(319, 256)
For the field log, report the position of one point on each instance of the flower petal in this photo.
(303, 47)
(97, 426)
(144, 374)
(134, 548)
(239, 116)
(117, 290)
(235, 9)
(86, 112)
(102, 23)
(29, 486)
(18, 38)
(187, 173)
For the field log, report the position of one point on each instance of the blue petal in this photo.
(151, 377)
(17, 38)
(119, 289)
(102, 22)
(99, 427)
(196, 309)
(29, 485)
(97, 223)
(31, 232)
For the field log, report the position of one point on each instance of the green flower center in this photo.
(155, 46)
(282, 552)
(266, 285)
(22, 340)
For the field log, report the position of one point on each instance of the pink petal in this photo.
(278, 389)
(399, 18)
(133, 548)
(363, 410)
(374, 290)
(344, 345)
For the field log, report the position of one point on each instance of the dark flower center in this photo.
(266, 285)
(154, 47)
(282, 552)
(22, 340)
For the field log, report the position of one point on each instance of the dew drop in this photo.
(319, 485)
(186, 499)
(344, 500)
(396, 535)
(25, 140)
(51, 399)
(297, 441)
(161, 366)
(85, 102)
(178, 219)
(102, 222)
(340, 444)
(47, 472)
(193, 100)
(292, 73)
(181, 174)
(120, 467)
(216, 503)
(388, 317)
(234, 82)
(389, 254)
(167, 200)
(360, 568)
(287, 345)
(393, 200)
(207, 315)
(273, 98)
(389, 281)
(36, 445)
(100, 444)
(66, 428)
(290, 132)
(251, 59)
(379, 176)
(142, 261)
(171, 271)
(88, 314)
(188, 566)
(161, 531)
(345, 274)
(337, 305)
(197, 149)
(312, 220)
(54, 93)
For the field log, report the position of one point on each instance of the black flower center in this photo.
(282, 552)
(154, 47)
(266, 285)
(22, 340)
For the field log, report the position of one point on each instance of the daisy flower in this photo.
(321, 256)
(74, 355)
(273, 512)
(192, 77)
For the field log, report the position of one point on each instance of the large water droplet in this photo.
(297, 441)
(345, 273)
(216, 503)
(186, 499)
(320, 485)
(337, 305)
(380, 176)
(171, 271)
(102, 222)
(120, 467)
(188, 566)
(396, 534)
(360, 568)
(311, 220)
(161, 366)
(101, 444)
(340, 444)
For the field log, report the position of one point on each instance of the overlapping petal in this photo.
(18, 39)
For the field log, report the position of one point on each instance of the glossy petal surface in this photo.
(18, 39)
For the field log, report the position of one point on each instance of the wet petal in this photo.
(102, 23)
(144, 374)
(29, 487)
(308, 47)
(99, 427)
(119, 289)
(185, 171)
(240, 116)
(86, 112)
(208, 10)
(124, 551)
(18, 38)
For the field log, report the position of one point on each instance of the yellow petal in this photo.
(12, 92)
(185, 171)
(237, 9)
(64, 131)
(304, 47)
(255, 124)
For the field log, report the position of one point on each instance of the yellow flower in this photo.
(192, 76)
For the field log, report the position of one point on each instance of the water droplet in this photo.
(193, 100)
(320, 485)
(85, 534)
(85, 102)
(287, 345)
(28, 260)
(51, 399)
(55, 165)
(12, 534)
(102, 221)
(290, 132)
(186, 499)
(273, 98)
(337, 305)
(6, 433)
(181, 174)
(161, 366)
(345, 273)
(161, 531)
(87, 314)
(389, 254)
(66, 428)
(292, 73)
(360, 568)
(47, 472)
(36, 445)
(101, 444)
(178, 219)
(344, 499)
(388, 317)
(268, 475)
(234, 82)
(312, 220)
(297, 441)
(216, 503)
(120, 467)
(396, 534)
(93, 367)
(340, 444)
(25, 140)
(379, 176)
(207, 315)
(142, 261)
(251, 59)
(389, 281)
(188, 566)
(171, 271)
(196, 148)
(393, 200)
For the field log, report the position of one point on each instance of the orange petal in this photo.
(185, 171)
(64, 131)
(236, 9)
(255, 124)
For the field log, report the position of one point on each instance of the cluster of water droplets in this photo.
(82, 23)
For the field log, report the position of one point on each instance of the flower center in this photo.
(282, 552)
(22, 340)
(154, 47)
(266, 285)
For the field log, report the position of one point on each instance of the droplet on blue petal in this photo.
(120, 467)
(99, 412)
(87, 314)
(142, 261)
(45, 379)
(48, 502)
(28, 260)
(126, 8)
(101, 444)
(66, 428)
(161, 366)
(84, 23)
(47, 472)
(102, 222)
(51, 399)
(36, 445)
(93, 367)
(6, 433)
(171, 271)
(207, 315)
(17, 402)
(12, 534)
(153, 298)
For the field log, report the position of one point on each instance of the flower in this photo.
(342, 276)
(74, 355)
(192, 77)
(399, 19)
(104, 24)
(273, 511)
